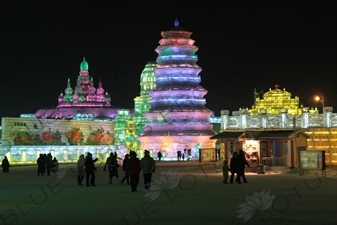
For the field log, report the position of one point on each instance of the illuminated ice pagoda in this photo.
(178, 118)
(82, 102)
(142, 102)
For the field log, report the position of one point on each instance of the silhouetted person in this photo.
(178, 155)
(148, 166)
(49, 159)
(112, 164)
(5, 165)
(242, 165)
(159, 155)
(234, 167)
(55, 166)
(41, 165)
(90, 170)
(80, 169)
(225, 172)
(134, 171)
(126, 166)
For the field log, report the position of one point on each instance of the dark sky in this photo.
(242, 45)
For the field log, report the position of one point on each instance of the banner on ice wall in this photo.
(28, 131)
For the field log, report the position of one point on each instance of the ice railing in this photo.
(242, 120)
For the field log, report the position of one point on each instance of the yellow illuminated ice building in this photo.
(276, 101)
(273, 124)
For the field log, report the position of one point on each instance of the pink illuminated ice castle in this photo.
(85, 94)
(84, 99)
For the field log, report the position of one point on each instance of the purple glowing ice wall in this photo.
(178, 118)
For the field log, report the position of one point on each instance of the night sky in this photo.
(242, 45)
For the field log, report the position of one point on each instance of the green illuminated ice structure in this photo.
(122, 116)
(126, 131)
(142, 102)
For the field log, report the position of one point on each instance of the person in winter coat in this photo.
(242, 165)
(49, 159)
(55, 166)
(159, 155)
(234, 167)
(5, 165)
(126, 165)
(134, 168)
(148, 166)
(90, 170)
(80, 169)
(112, 164)
(41, 165)
(225, 172)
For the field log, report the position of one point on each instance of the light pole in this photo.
(321, 100)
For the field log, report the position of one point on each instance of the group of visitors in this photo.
(181, 155)
(237, 166)
(45, 162)
(86, 166)
(131, 167)
(146, 164)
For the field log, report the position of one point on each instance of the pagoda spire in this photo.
(176, 22)
(84, 65)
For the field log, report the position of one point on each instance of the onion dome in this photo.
(75, 95)
(100, 90)
(69, 90)
(60, 99)
(84, 65)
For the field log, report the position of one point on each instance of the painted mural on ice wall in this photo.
(27, 131)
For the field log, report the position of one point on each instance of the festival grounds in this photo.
(191, 193)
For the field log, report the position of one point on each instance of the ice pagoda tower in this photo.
(177, 119)
(142, 102)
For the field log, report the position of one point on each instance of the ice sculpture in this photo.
(178, 118)
(142, 102)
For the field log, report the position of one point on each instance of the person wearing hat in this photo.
(126, 165)
(148, 166)
(134, 168)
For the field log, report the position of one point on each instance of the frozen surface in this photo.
(195, 195)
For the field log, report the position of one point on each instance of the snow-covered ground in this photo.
(183, 193)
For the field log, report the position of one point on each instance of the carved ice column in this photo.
(243, 120)
(284, 119)
(224, 119)
(305, 118)
(327, 116)
(263, 118)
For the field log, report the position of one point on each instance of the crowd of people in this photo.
(132, 166)
(46, 163)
